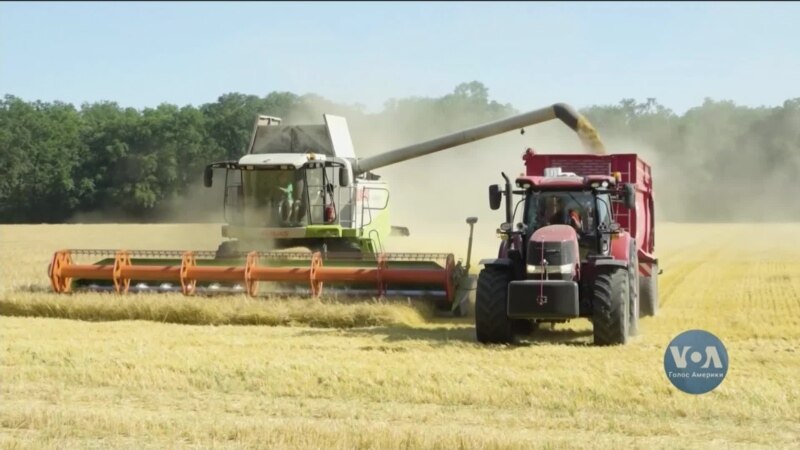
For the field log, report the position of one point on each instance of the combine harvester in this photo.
(303, 186)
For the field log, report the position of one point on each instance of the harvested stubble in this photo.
(411, 383)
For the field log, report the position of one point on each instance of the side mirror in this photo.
(630, 196)
(207, 176)
(344, 177)
(494, 196)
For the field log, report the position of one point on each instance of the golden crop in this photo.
(387, 375)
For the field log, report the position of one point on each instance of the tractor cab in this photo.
(584, 203)
(583, 210)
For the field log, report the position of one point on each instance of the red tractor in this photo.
(584, 248)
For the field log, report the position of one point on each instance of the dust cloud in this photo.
(197, 204)
(434, 194)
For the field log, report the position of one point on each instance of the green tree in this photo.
(41, 146)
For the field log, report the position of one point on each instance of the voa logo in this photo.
(696, 362)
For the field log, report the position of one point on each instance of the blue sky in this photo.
(527, 54)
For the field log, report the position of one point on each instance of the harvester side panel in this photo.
(639, 223)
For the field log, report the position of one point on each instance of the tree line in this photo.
(718, 161)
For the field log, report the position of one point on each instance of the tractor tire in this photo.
(611, 306)
(633, 290)
(648, 293)
(492, 324)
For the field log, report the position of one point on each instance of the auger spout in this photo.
(567, 114)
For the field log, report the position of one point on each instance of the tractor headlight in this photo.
(539, 269)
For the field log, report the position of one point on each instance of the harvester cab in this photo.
(295, 188)
(583, 248)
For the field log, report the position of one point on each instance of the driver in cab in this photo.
(554, 214)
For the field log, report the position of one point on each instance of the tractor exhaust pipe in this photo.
(567, 114)
(508, 193)
(471, 222)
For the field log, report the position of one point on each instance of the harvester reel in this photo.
(251, 285)
(125, 267)
(60, 283)
(121, 260)
(316, 264)
(187, 285)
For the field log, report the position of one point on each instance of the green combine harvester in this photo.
(302, 211)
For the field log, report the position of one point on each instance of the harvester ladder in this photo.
(377, 240)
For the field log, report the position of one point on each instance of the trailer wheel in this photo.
(492, 324)
(611, 306)
(635, 299)
(648, 293)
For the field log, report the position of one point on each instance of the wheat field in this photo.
(381, 374)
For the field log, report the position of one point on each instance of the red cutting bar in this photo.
(253, 273)
(336, 274)
(218, 273)
(95, 272)
(152, 273)
(262, 273)
(415, 276)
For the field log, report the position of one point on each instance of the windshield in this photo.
(275, 198)
(292, 139)
(582, 210)
(568, 208)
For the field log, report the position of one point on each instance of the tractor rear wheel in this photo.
(611, 306)
(648, 293)
(492, 324)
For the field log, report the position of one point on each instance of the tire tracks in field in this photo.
(676, 273)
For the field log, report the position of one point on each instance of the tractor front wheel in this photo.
(492, 324)
(611, 306)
